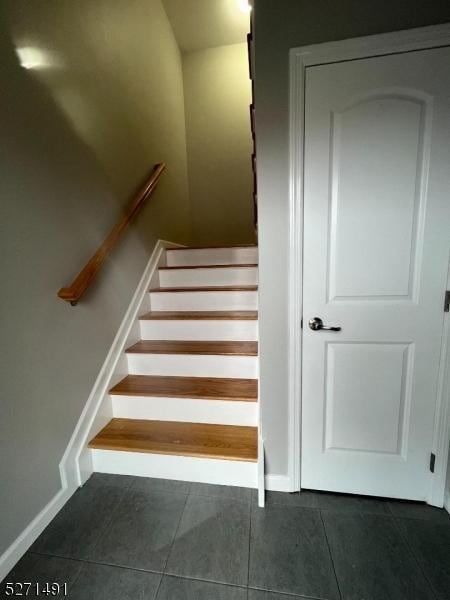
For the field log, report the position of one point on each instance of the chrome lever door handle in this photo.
(316, 324)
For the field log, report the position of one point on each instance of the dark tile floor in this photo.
(121, 538)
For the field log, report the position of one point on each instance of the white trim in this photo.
(295, 265)
(300, 58)
(75, 466)
(278, 483)
(395, 42)
(202, 330)
(210, 276)
(441, 443)
(201, 300)
(261, 471)
(193, 365)
(186, 410)
(21, 544)
(227, 255)
(447, 501)
(184, 468)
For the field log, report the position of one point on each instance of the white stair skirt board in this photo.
(245, 255)
(197, 277)
(204, 300)
(189, 410)
(98, 411)
(184, 468)
(232, 330)
(190, 365)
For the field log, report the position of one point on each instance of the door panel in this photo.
(376, 254)
(367, 412)
(387, 169)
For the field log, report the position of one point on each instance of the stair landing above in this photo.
(181, 439)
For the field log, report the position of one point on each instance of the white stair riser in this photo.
(212, 256)
(187, 410)
(189, 301)
(208, 277)
(233, 330)
(184, 468)
(189, 365)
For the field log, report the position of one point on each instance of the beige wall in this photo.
(217, 98)
(300, 22)
(76, 139)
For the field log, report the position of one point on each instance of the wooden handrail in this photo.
(88, 273)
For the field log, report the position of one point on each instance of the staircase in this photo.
(188, 407)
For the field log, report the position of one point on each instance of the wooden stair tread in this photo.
(223, 288)
(227, 266)
(200, 440)
(219, 315)
(201, 388)
(228, 348)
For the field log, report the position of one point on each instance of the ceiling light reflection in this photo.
(244, 6)
(31, 57)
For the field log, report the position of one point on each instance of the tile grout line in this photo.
(191, 578)
(124, 490)
(89, 561)
(288, 595)
(217, 497)
(84, 561)
(171, 545)
(155, 597)
(212, 582)
(409, 518)
(249, 542)
(81, 564)
(331, 555)
(173, 541)
(420, 520)
(415, 558)
(107, 526)
(109, 523)
(296, 506)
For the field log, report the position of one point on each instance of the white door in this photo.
(376, 254)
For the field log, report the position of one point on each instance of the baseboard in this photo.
(447, 502)
(76, 466)
(278, 483)
(18, 548)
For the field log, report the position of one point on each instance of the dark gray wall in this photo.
(279, 26)
(78, 134)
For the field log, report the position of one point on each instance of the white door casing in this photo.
(376, 248)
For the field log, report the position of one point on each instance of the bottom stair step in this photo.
(226, 442)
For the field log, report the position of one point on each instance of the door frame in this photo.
(299, 59)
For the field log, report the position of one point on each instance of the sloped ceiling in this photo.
(200, 24)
